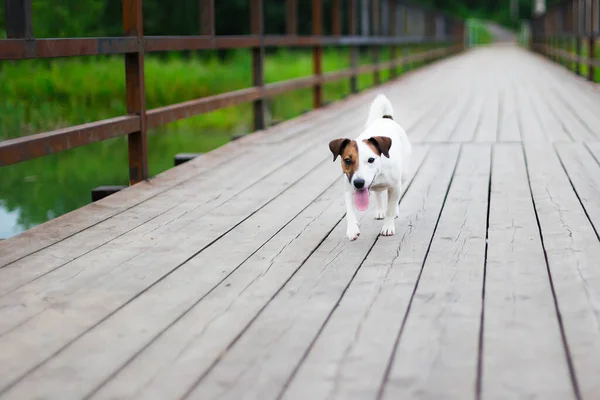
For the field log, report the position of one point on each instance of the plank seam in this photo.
(479, 120)
(79, 336)
(500, 116)
(186, 311)
(390, 363)
(563, 335)
(312, 343)
(553, 111)
(587, 146)
(576, 193)
(575, 113)
(238, 336)
(479, 381)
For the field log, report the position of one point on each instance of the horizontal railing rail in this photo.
(567, 32)
(407, 24)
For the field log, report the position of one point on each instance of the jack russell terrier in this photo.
(376, 161)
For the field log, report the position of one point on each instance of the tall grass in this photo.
(39, 96)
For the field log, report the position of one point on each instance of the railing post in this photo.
(258, 62)
(207, 17)
(591, 39)
(18, 16)
(352, 22)
(577, 5)
(291, 19)
(407, 65)
(392, 33)
(375, 32)
(317, 28)
(570, 28)
(136, 91)
(336, 23)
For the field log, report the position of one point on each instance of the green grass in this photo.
(479, 33)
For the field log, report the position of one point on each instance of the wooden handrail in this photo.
(134, 45)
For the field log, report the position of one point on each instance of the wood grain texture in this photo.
(523, 352)
(437, 352)
(350, 357)
(573, 251)
(583, 171)
(80, 310)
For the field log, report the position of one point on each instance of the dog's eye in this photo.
(348, 161)
(371, 160)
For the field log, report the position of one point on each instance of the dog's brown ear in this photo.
(382, 143)
(337, 146)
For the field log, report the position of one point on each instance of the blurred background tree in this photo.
(71, 18)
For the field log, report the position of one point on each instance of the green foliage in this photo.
(478, 32)
(71, 18)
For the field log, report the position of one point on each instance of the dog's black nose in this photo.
(359, 183)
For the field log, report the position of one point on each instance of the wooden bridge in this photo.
(230, 276)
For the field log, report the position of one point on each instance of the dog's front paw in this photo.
(379, 214)
(352, 232)
(389, 228)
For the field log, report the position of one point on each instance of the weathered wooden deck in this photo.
(231, 276)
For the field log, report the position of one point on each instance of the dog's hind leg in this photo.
(380, 204)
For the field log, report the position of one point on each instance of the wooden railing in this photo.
(407, 24)
(567, 32)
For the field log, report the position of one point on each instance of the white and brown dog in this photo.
(376, 161)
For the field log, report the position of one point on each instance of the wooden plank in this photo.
(468, 125)
(488, 127)
(573, 251)
(172, 365)
(557, 102)
(530, 130)
(190, 201)
(567, 120)
(450, 122)
(508, 124)
(350, 356)
(587, 118)
(174, 359)
(569, 88)
(523, 352)
(67, 309)
(285, 329)
(437, 352)
(594, 149)
(553, 127)
(443, 103)
(583, 171)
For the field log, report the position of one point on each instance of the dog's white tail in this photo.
(380, 107)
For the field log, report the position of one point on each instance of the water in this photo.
(39, 190)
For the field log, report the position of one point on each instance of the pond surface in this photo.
(39, 190)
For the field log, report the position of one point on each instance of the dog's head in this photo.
(361, 161)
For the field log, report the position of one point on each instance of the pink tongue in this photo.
(361, 199)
